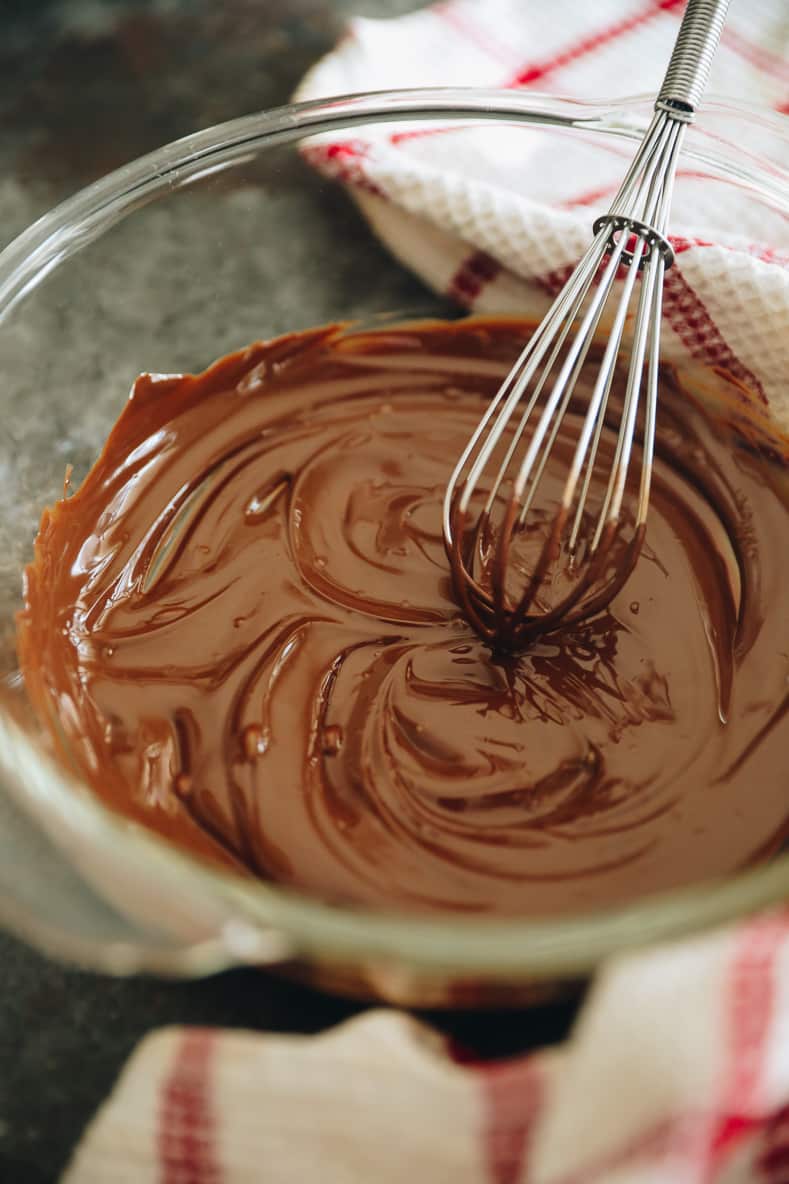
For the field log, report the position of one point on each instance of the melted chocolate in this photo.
(242, 632)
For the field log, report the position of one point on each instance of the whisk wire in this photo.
(506, 461)
(528, 475)
(595, 416)
(583, 461)
(518, 434)
(509, 396)
(654, 319)
(654, 211)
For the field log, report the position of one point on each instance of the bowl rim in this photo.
(567, 946)
(84, 216)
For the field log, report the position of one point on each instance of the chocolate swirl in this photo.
(242, 631)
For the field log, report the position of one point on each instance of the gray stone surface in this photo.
(84, 86)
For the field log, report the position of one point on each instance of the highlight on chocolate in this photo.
(242, 631)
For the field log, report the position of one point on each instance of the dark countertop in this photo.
(132, 75)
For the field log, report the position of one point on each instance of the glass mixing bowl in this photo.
(210, 243)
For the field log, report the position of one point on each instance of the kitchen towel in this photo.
(677, 1072)
(496, 217)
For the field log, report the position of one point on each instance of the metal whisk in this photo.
(522, 563)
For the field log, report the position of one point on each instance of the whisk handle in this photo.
(694, 49)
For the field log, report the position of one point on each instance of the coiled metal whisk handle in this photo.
(694, 49)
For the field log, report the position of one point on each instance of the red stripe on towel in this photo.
(749, 1006)
(689, 317)
(512, 1095)
(186, 1134)
(476, 270)
(343, 160)
(537, 71)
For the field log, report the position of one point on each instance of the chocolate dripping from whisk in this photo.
(511, 627)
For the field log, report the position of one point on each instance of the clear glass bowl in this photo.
(208, 244)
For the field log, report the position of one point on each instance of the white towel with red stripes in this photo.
(497, 216)
(677, 1071)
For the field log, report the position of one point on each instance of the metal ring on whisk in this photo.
(647, 233)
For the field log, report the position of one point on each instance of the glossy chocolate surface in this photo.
(241, 631)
